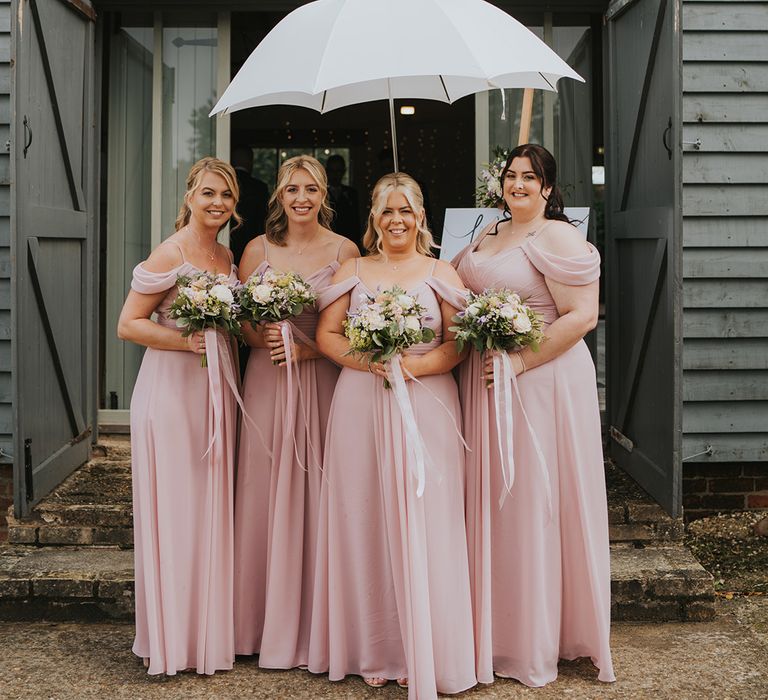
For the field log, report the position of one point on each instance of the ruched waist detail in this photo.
(306, 323)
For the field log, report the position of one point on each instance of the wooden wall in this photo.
(6, 408)
(725, 230)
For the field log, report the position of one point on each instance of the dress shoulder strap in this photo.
(357, 266)
(181, 250)
(231, 255)
(266, 247)
(338, 250)
(432, 269)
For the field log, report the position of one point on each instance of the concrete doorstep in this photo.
(71, 559)
(91, 583)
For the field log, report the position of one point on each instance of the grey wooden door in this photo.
(53, 241)
(643, 244)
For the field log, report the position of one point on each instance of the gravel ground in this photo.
(728, 548)
(724, 659)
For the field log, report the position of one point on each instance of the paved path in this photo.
(724, 659)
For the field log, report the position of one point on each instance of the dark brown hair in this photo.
(545, 167)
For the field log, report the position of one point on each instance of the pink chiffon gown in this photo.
(183, 423)
(541, 587)
(277, 497)
(392, 596)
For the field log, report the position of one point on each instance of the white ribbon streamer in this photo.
(413, 440)
(502, 369)
(450, 413)
(504, 375)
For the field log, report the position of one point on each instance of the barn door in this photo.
(53, 242)
(643, 229)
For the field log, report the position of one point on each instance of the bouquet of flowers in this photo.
(497, 319)
(273, 296)
(489, 193)
(385, 325)
(206, 301)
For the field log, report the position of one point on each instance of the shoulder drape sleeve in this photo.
(146, 282)
(447, 292)
(332, 292)
(577, 271)
(460, 256)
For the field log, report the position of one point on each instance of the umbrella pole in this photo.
(526, 116)
(392, 124)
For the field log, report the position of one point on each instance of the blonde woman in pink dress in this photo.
(392, 597)
(183, 422)
(540, 562)
(281, 442)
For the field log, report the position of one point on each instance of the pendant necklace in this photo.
(312, 238)
(210, 253)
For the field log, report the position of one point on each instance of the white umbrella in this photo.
(333, 53)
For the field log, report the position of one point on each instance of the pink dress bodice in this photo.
(429, 293)
(306, 322)
(524, 269)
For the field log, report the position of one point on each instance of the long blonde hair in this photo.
(405, 184)
(277, 219)
(209, 164)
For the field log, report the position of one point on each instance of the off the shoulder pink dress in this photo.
(183, 423)
(392, 595)
(541, 587)
(278, 496)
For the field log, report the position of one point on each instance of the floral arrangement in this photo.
(273, 296)
(206, 301)
(489, 193)
(497, 319)
(385, 325)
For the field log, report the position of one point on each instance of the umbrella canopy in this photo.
(333, 53)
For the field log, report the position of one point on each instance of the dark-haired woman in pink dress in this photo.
(540, 562)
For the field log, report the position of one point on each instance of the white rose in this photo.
(222, 293)
(507, 311)
(261, 293)
(521, 323)
(412, 323)
(473, 309)
(376, 321)
(405, 301)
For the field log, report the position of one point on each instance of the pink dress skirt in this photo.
(277, 500)
(183, 423)
(392, 595)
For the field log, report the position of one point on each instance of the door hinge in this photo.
(28, 482)
(622, 439)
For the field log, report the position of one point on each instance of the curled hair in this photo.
(405, 184)
(277, 219)
(545, 168)
(209, 164)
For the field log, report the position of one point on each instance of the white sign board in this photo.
(462, 226)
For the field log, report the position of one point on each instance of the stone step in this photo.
(86, 583)
(659, 583)
(114, 447)
(633, 517)
(65, 583)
